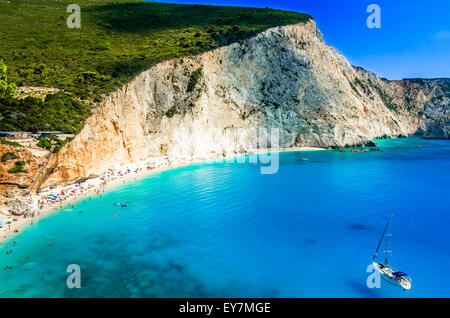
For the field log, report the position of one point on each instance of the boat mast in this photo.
(387, 240)
(381, 239)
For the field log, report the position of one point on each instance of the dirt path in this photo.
(38, 174)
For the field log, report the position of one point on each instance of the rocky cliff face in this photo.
(12, 185)
(285, 77)
(429, 100)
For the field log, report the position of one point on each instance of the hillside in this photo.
(117, 39)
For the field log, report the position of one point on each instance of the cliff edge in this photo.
(285, 77)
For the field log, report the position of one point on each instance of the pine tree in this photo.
(6, 89)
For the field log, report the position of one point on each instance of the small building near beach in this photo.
(47, 134)
(15, 134)
(57, 134)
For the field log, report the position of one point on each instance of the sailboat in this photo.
(389, 273)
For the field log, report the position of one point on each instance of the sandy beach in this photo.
(52, 200)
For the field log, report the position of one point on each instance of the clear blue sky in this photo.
(414, 39)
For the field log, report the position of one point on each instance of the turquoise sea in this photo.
(224, 230)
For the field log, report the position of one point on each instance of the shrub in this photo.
(6, 88)
(172, 111)
(44, 143)
(193, 80)
(91, 77)
(18, 167)
(59, 144)
(8, 156)
(9, 143)
(57, 148)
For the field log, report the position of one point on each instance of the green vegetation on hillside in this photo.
(8, 156)
(387, 100)
(60, 111)
(18, 167)
(193, 79)
(9, 143)
(444, 85)
(59, 143)
(44, 143)
(117, 39)
(7, 89)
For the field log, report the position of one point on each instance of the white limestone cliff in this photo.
(285, 77)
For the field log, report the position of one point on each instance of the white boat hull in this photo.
(387, 274)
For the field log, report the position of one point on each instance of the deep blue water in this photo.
(223, 229)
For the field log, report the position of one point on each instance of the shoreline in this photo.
(108, 180)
